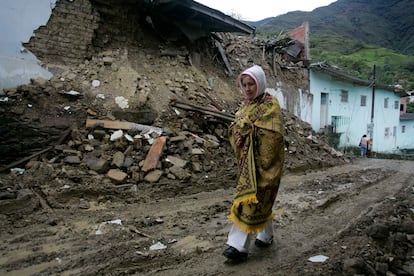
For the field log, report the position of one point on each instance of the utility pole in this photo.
(371, 126)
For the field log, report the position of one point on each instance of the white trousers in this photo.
(241, 241)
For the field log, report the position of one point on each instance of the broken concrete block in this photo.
(153, 176)
(72, 159)
(196, 166)
(96, 164)
(118, 159)
(178, 138)
(117, 175)
(197, 151)
(176, 161)
(180, 173)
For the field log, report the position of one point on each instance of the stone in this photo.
(128, 162)
(72, 159)
(118, 159)
(378, 231)
(153, 176)
(180, 173)
(176, 161)
(178, 138)
(117, 175)
(197, 151)
(97, 164)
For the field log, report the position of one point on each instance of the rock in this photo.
(407, 227)
(97, 164)
(176, 161)
(128, 162)
(153, 176)
(197, 151)
(180, 173)
(107, 60)
(354, 266)
(409, 267)
(117, 175)
(178, 138)
(118, 159)
(196, 166)
(378, 231)
(72, 159)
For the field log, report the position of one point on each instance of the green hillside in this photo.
(355, 35)
(359, 59)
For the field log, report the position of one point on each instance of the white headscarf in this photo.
(258, 75)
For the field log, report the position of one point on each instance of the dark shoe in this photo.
(234, 254)
(263, 244)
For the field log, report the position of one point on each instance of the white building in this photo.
(352, 107)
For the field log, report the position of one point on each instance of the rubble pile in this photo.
(194, 143)
(112, 87)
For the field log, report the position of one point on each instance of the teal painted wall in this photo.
(352, 119)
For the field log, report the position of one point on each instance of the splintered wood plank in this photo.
(154, 154)
(109, 124)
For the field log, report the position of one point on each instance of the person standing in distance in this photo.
(363, 145)
(256, 136)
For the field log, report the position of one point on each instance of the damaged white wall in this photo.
(303, 108)
(18, 20)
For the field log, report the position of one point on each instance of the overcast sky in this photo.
(260, 9)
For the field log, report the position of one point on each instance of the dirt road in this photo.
(109, 230)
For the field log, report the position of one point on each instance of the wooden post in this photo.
(224, 57)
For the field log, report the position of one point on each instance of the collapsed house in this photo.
(142, 54)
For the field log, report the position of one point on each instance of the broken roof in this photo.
(337, 73)
(196, 20)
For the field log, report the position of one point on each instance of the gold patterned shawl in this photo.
(256, 136)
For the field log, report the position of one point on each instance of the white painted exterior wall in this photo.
(18, 20)
(353, 120)
(303, 104)
(406, 138)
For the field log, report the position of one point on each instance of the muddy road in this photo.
(181, 228)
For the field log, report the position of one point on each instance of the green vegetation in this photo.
(355, 35)
(358, 59)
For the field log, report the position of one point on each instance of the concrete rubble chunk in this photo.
(97, 164)
(118, 159)
(197, 151)
(180, 173)
(176, 161)
(179, 138)
(117, 175)
(72, 159)
(117, 135)
(153, 176)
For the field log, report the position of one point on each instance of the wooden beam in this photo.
(122, 125)
(18, 162)
(154, 154)
(108, 124)
(224, 57)
(191, 107)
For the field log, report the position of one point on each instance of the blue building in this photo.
(352, 107)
